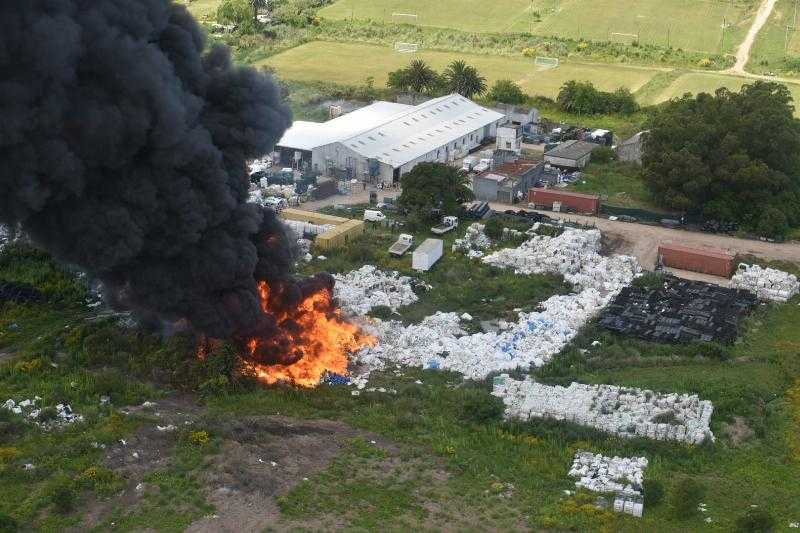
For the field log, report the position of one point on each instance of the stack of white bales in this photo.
(301, 228)
(621, 411)
(474, 242)
(361, 290)
(536, 336)
(573, 254)
(766, 283)
(438, 341)
(599, 473)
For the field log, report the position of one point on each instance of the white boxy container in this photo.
(426, 254)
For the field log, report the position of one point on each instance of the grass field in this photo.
(352, 63)
(774, 45)
(677, 23)
(438, 455)
(696, 82)
(619, 183)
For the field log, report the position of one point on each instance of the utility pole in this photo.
(668, 46)
(722, 40)
(786, 43)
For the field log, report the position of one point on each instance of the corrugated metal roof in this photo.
(309, 135)
(571, 149)
(412, 134)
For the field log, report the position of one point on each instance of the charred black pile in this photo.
(679, 311)
(19, 292)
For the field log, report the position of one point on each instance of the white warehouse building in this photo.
(383, 141)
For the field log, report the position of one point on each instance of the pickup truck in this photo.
(402, 245)
(448, 224)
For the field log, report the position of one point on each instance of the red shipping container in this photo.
(575, 201)
(705, 260)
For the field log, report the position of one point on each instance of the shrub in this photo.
(199, 438)
(653, 492)
(7, 524)
(482, 408)
(604, 154)
(755, 521)
(63, 496)
(384, 312)
(685, 496)
(649, 280)
(508, 92)
(494, 228)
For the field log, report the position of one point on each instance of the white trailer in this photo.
(426, 254)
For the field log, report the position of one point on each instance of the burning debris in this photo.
(316, 338)
(124, 148)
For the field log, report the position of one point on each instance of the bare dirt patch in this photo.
(738, 431)
(263, 458)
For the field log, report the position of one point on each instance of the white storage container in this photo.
(426, 254)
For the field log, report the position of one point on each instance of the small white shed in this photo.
(426, 254)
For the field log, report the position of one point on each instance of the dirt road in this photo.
(743, 52)
(642, 241)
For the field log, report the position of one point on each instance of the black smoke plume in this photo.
(123, 141)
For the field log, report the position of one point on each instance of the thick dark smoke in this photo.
(123, 142)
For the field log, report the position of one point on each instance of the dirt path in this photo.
(642, 241)
(743, 52)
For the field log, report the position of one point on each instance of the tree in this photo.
(417, 77)
(733, 157)
(257, 6)
(236, 12)
(507, 92)
(464, 79)
(434, 186)
(583, 98)
(685, 497)
(755, 521)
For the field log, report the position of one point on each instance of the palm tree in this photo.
(464, 79)
(419, 76)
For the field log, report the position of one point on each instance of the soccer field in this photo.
(352, 63)
(691, 25)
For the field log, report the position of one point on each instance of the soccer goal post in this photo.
(406, 48)
(627, 38)
(545, 63)
(405, 18)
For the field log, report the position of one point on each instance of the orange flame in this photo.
(322, 341)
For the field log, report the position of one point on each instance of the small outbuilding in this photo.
(570, 154)
(631, 149)
(507, 181)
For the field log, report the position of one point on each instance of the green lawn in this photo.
(619, 184)
(451, 461)
(352, 63)
(693, 26)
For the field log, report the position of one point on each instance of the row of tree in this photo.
(420, 77)
(583, 98)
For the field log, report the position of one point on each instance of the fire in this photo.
(315, 337)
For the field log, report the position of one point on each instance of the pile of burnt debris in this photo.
(11, 291)
(679, 311)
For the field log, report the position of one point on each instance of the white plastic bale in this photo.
(361, 290)
(623, 412)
